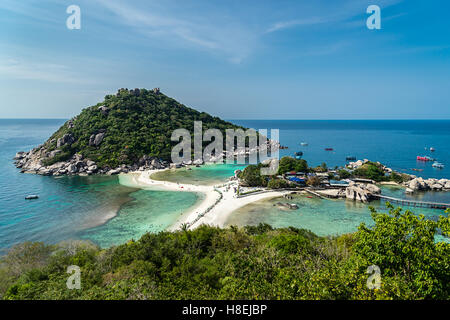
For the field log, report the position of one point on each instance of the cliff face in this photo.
(126, 131)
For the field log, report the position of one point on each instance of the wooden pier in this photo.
(413, 203)
(314, 193)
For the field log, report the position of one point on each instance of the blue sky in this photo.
(235, 59)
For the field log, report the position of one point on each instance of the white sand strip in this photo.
(221, 210)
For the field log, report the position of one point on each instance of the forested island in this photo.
(125, 131)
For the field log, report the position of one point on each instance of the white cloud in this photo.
(215, 32)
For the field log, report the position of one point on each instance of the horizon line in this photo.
(269, 119)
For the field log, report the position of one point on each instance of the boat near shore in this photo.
(438, 165)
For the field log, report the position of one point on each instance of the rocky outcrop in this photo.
(68, 138)
(104, 110)
(361, 192)
(96, 139)
(420, 184)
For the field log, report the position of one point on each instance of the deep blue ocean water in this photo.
(395, 143)
(78, 207)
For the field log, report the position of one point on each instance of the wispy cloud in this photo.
(13, 68)
(298, 22)
(332, 13)
(226, 37)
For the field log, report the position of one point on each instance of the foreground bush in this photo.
(255, 262)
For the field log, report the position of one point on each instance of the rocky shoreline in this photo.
(420, 184)
(33, 161)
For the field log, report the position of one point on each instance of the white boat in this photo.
(438, 165)
(303, 143)
(432, 149)
(31, 196)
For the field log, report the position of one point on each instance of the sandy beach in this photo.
(216, 206)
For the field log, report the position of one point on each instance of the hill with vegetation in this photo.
(255, 262)
(121, 129)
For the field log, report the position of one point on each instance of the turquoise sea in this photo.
(102, 210)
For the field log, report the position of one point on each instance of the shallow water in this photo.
(209, 174)
(149, 211)
(324, 217)
(86, 207)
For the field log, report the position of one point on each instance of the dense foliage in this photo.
(275, 183)
(255, 262)
(371, 170)
(251, 176)
(288, 164)
(137, 123)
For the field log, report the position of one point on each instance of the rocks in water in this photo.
(420, 184)
(291, 206)
(436, 187)
(68, 138)
(72, 168)
(20, 155)
(92, 168)
(113, 172)
(361, 192)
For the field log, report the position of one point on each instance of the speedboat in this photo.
(298, 155)
(31, 196)
(438, 165)
(432, 149)
(424, 158)
(304, 143)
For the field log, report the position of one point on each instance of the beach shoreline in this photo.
(214, 209)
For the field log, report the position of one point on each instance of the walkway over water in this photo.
(413, 203)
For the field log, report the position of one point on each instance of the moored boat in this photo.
(329, 149)
(350, 158)
(303, 143)
(424, 158)
(438, 165)
(298, 155)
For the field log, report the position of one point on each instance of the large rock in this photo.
(156, 164)
(72, 168)
(96, 139)
(436, 187)
(361, 192)
(373, 189)
(20, 155)
(93, 168)
(53, 153)
(68, 138)
(104, 110)
(90, 163)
